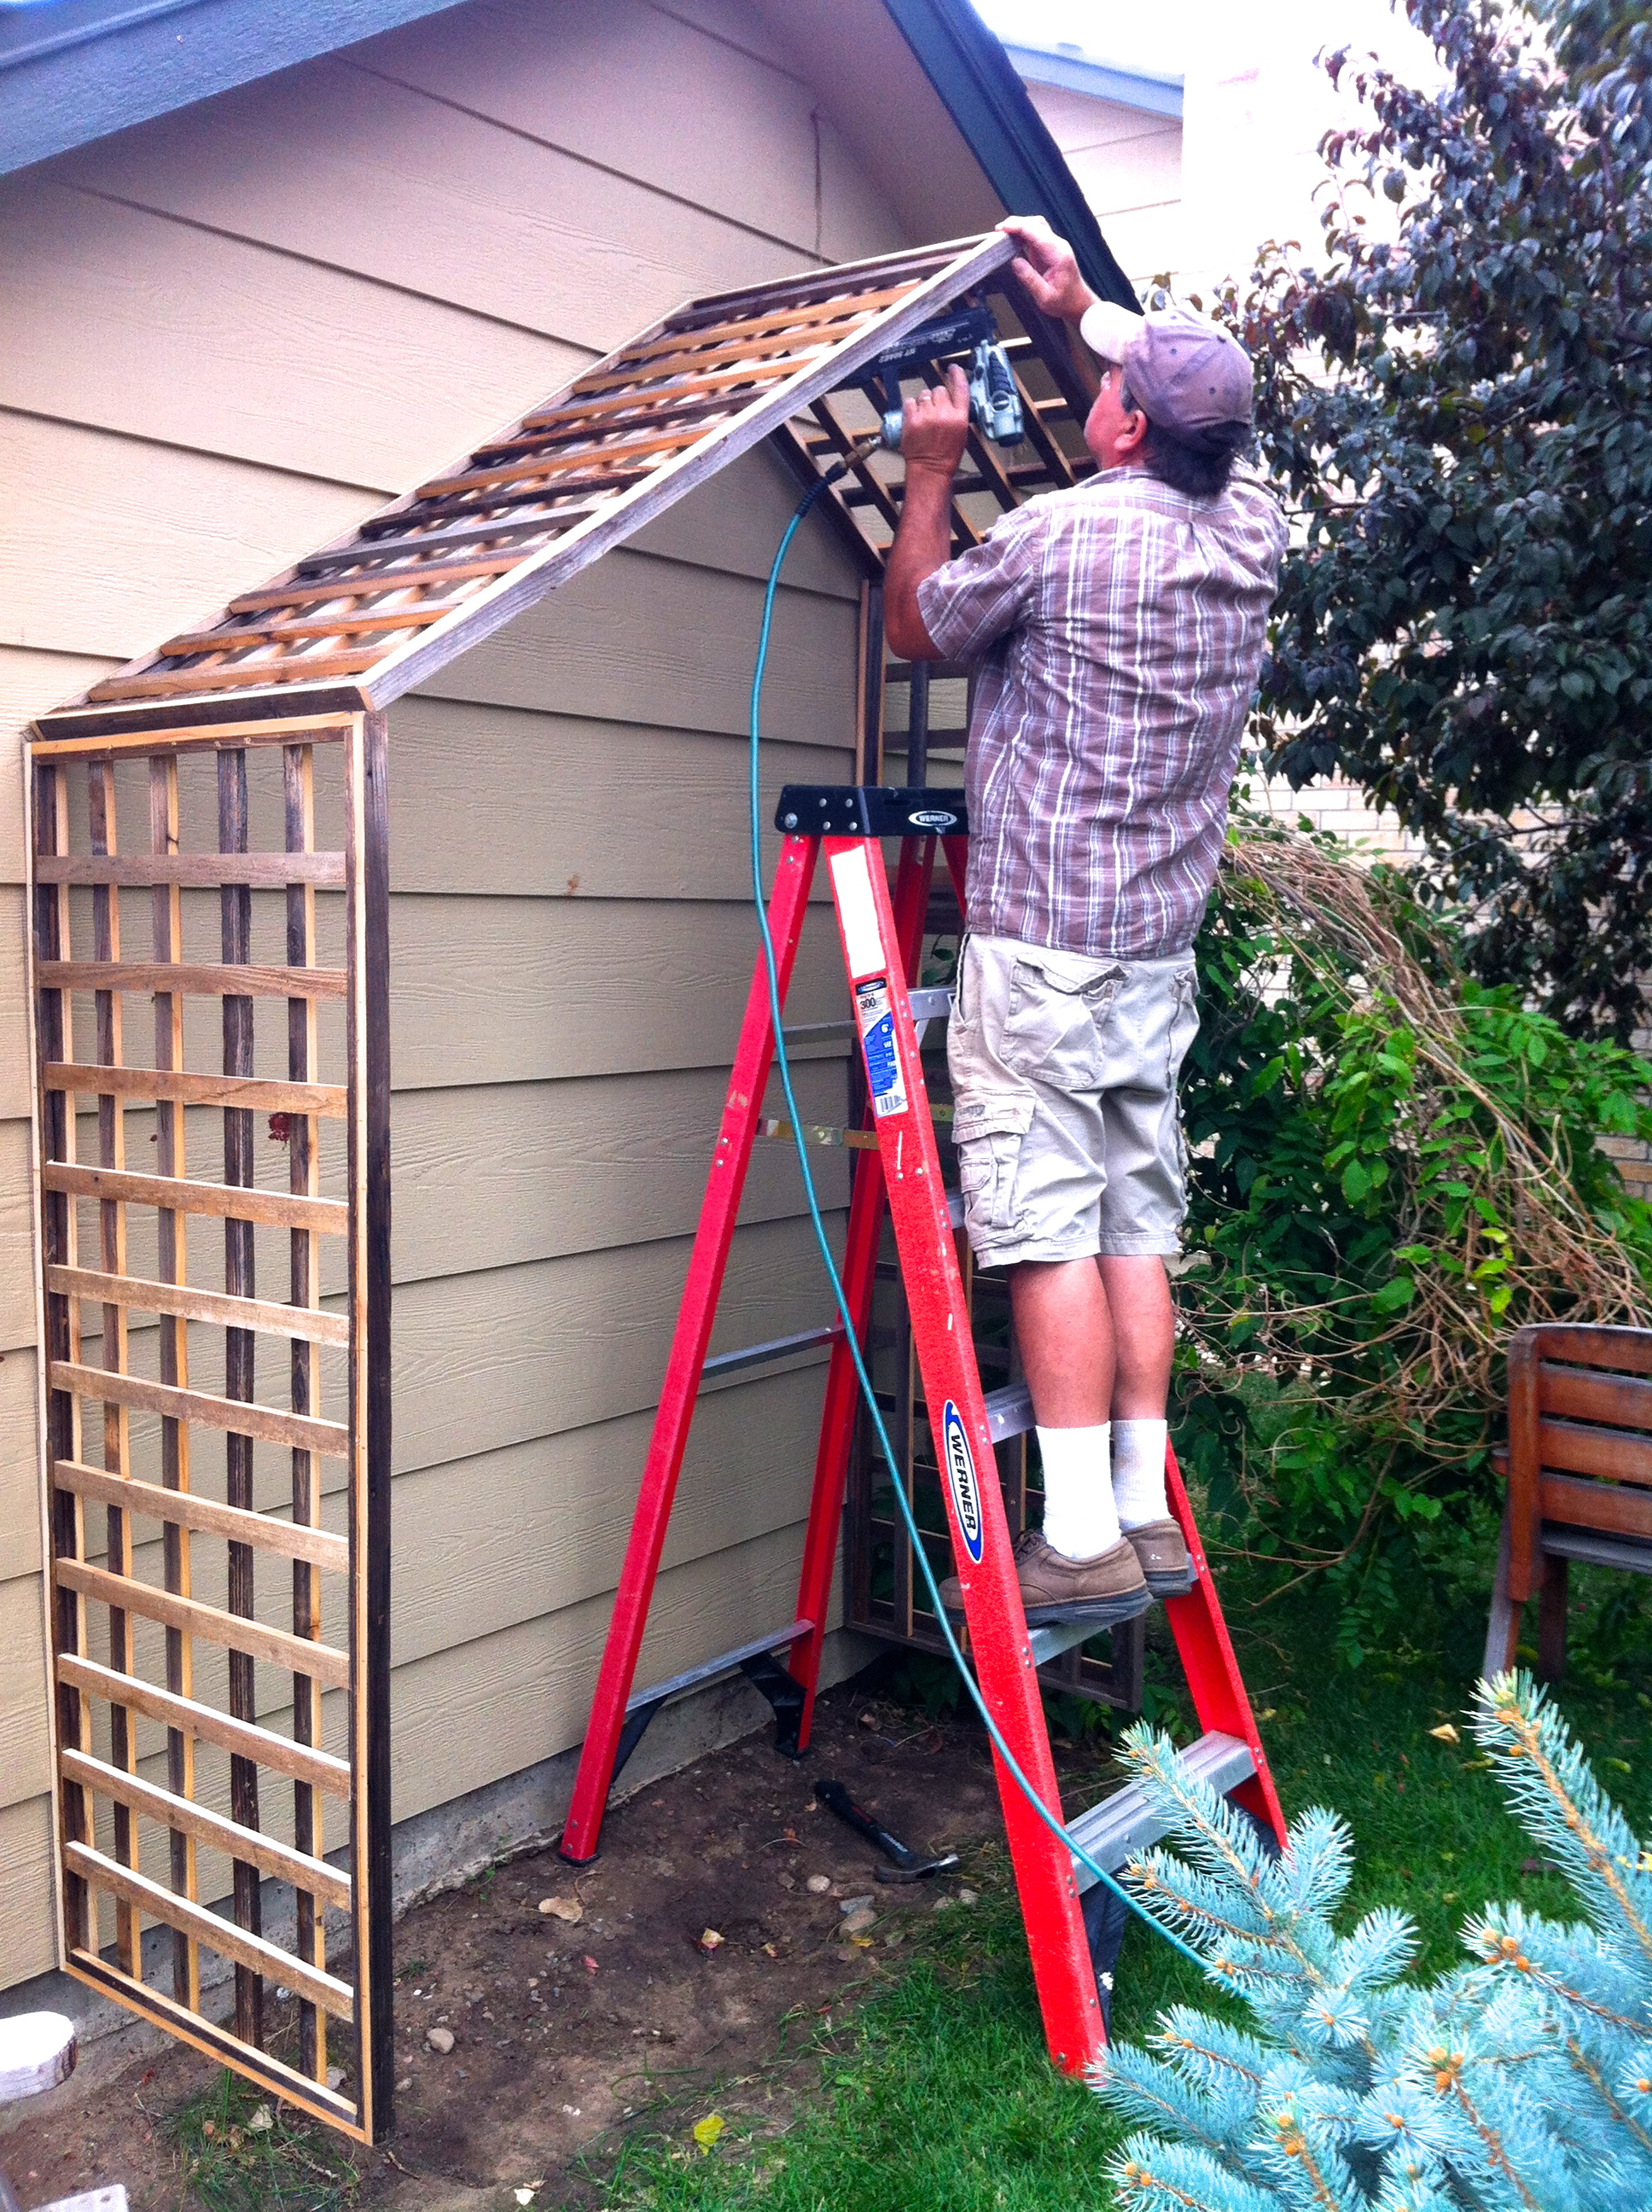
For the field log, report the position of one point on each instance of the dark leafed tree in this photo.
(1463, 415)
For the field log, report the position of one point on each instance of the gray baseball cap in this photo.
(1184, 373)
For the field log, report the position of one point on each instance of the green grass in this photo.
(933, 2093)
(240, 2151)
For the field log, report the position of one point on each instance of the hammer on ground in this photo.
(908, 1865)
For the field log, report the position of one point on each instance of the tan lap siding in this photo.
(317, 288)
(617, 970)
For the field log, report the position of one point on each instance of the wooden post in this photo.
(112, 1253)
(304, 1179)
(918, 726)
(236, 914)
(370, 1060)
(1525, 1536)
(63, 1328)
(869, 703)
(168, 941)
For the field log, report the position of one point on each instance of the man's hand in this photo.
(935, 426)
(934, 430)
(1047, 267)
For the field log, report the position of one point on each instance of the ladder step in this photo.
(723, 1664)
(1124, 1824)
(778, 1347)
(1060, 1636)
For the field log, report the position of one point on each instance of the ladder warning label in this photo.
(960, 1463)
(876, 1021)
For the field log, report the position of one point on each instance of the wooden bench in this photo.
(37, 2053)
(1579, 1467)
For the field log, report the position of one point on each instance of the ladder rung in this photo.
(1008, 1411)
(820, 1132)
(931, 1003)
(824, 1133)
(778, 1347)
(692, 1677)
(1125, 1823)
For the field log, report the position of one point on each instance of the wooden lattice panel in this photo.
(434, 572)
(208, 977)
(1055, 398)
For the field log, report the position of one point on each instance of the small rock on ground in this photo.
(440, 2039)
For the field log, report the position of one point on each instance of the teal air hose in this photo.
(795, 1117)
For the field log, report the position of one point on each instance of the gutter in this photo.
(1149, 92)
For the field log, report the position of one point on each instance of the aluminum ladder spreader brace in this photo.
(898, 1166)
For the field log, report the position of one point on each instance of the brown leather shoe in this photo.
(1109, 1588)
(1159, 1544)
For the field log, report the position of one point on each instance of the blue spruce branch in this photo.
(1520, 2083)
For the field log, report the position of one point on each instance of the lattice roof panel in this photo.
(430, 575)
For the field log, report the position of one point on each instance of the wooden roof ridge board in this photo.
(490, 538)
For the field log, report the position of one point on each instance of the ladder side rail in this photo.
(957, 866)
(718, 1210)
(1062, 1967)
(1208, 1661)
(843, 1399)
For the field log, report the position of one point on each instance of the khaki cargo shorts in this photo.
(1063, 1082)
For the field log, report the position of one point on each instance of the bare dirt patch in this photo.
(568, 2034)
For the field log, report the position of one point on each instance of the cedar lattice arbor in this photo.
(210, 954)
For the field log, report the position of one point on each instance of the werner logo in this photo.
(961, 1474)
(932, 818)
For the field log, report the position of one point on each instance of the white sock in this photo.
(1080, 1518)
(1139, 1471)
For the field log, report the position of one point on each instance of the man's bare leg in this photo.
(1143, 1335)
(1085, 1569)
(1096, 1338)
(1144, 1330)
(1064, 1327)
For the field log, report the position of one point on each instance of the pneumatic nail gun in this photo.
(994, 402)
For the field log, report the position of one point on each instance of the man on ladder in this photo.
(1120, 624)
(1119, 628)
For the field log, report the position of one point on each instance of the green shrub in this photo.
(1392, 1168)
(1522, 2082)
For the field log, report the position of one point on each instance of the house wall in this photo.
(224, 336)
(1127, 163)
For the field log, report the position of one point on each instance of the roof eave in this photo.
(101, 66)
(969, 69)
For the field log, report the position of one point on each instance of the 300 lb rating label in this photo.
(877, 1020)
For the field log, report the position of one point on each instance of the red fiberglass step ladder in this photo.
(882, 938)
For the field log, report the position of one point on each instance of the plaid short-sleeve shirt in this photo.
(1119, 628)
